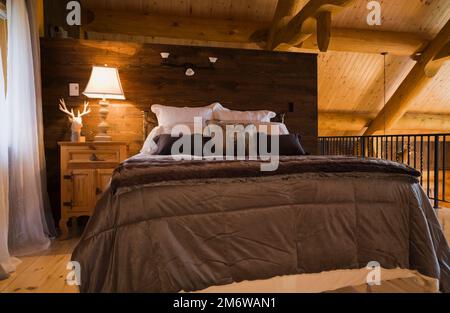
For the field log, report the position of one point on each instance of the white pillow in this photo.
(168, 116)
(216, 107)
(251, 116)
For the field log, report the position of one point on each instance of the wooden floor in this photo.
(46, 272)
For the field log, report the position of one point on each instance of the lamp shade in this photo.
(104, 84)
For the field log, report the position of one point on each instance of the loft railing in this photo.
(427, 153)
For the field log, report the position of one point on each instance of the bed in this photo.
(225, 226)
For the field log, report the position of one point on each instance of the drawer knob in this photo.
(94, 158)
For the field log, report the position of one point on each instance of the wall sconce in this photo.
(189, 68)
(165, 55)
(189, 72)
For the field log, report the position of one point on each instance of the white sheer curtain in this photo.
(7, 263)
(35, 45)
(28, 231)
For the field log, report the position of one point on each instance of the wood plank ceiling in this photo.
(348, 82)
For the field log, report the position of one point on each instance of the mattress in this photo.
(352, 281)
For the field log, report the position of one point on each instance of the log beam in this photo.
(369, 41)
(304, 24)
(284, 12)
(332, 123)
(413, 84)
(441, 57)
(323, 30)
(153, 28)
(127, 26)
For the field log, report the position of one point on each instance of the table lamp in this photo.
(104, 84)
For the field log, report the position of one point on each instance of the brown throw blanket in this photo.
(142, 170)
(167, 226)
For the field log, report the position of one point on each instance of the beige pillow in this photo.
(258, 116)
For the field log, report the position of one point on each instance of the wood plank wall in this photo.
(242, 80)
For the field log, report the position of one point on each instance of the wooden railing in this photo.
(427, 153)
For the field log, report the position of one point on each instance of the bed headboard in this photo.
(148, 123)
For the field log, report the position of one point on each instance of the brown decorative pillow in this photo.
(288, 145)
(166, 141)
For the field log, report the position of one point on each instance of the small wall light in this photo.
(165, 55)
(188, 67)
(189, 72)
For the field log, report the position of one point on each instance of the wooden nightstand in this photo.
(86, 169)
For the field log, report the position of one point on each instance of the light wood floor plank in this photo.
(45, 273)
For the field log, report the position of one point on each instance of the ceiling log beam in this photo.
(284, 12)
(127, 26)
(304, 24)
(413, 84)
(441, 57)
(369, 41)
(323, 30)
(336, 123)
(153, 28)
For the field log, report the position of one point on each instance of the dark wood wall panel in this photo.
(242, 80)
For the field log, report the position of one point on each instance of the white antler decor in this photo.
(77, 121)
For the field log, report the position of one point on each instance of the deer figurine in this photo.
(77, 121)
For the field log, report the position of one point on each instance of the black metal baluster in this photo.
(444, 165)
(396, 148)
(408, 150)
(436, 172)
(402, 149)
(392, 147)
(363, 146)
(421, 160)
(371, 147)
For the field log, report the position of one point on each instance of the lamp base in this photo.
(102, 138)
(103, 127)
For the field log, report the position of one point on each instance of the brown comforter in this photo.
(167, 226)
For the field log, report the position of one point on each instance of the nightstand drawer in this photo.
(87, 156)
